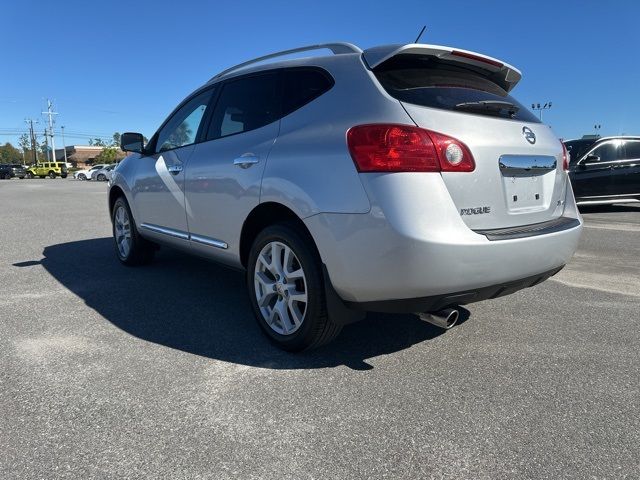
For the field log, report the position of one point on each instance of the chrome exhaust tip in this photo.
(444, 319)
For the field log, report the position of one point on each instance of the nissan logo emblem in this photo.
(529, 135)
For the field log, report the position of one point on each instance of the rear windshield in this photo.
(432, 82)
(577, 148)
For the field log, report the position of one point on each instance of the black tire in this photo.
(22, 177)
(316, 328)
(42, 176)
(7, 176)
(101, 177)
(28, 175)
(52, 174)
(82, 177)
(64, 175)
(142, 250)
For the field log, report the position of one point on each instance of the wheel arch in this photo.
(114, 193)
(263, 215)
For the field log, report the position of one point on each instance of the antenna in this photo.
(420, 34)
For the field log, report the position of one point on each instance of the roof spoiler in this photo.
(507, 76)
(338, 48)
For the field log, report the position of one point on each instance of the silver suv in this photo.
(402, 178)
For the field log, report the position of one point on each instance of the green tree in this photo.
(24, 142)
(97, 142)
(116, 140)
(44, 149)
(107, 155)
(10, 154)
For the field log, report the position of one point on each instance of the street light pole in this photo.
(539, 108)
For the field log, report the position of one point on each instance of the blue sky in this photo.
(123, 66)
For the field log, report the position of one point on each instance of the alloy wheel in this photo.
(280, 288)
(122, 230)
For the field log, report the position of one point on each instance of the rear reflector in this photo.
(405, 148)
(478, 58)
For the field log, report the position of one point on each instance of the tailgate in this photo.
(514, 182)
(518, 177)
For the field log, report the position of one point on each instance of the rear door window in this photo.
(431, 82)
(632, 148)
(246, 104)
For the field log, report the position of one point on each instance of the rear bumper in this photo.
(438, 302)
(425, 255)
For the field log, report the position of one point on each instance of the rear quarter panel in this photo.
(309, 168)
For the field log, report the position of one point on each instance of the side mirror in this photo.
(592, 158)
(132, 142)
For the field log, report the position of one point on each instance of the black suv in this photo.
(8, 171)
(605, 170)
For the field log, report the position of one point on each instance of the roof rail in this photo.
(337, 48)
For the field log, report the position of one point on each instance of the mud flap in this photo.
(336, 308)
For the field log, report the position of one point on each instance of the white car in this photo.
(86, 174)
(111, 171)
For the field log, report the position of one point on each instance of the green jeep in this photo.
(48, 169)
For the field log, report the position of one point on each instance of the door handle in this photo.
(175, 169)
(246, 160)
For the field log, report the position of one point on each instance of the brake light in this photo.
(477, 58)
(405, 148)
(565, 157)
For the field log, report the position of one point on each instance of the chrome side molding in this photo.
(526, 165)
(165, 231)
(211, 242)
(201, 239)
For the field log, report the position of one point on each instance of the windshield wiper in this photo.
(491, 105)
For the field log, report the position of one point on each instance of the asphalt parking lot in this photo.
(161, 371)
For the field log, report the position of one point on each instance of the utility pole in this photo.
(539, 108)
(50, 113)
(597, 128)
(46, 143)
(64, 146)
(32, 136)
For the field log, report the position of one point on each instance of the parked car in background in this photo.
(6, 172)
(47, 169)
(402, 178)
(87, 172)
(12, 170)
(101, 173)
(605, 170)
(19, 170)
(111, 172)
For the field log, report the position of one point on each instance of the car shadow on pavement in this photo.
(196, 306)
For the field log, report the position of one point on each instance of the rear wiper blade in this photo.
(494, 105)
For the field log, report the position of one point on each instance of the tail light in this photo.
(405, 148)
(565, 157)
